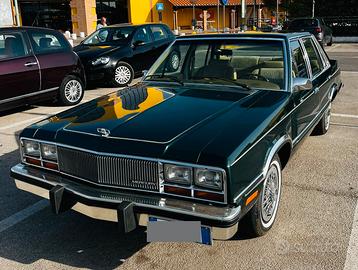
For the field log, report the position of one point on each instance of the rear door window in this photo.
(159, 32)
(12, 45)
(313, 56)
(142, 35)
(299, 68)
(44, 42)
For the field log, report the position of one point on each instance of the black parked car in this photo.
(118, 53)
(315, 26)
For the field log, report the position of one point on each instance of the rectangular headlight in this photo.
(178, 174)
(209, 178)
(49, 151)
(31, 148)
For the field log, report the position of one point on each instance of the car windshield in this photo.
(109, 35)
(303, 23)
(246, 63)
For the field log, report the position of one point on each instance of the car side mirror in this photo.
(301, 84)
(145, 72)
(138, 43)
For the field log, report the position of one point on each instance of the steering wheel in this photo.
(258, 77)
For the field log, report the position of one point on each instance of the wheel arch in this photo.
(283, 148)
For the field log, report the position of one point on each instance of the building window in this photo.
(116, 11)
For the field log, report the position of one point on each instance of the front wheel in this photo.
(123, 74)
(71, 91)
(263, 214)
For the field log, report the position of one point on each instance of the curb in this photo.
(345, 39)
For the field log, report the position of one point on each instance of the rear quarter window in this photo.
(47, 42)
(159, 32)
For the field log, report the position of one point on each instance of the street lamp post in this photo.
(277, 12)
(193, 2)
(313, 4)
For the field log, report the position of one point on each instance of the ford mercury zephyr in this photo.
(203, 138)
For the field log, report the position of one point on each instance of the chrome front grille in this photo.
(110, 170)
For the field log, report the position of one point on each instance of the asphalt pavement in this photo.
(316, 228)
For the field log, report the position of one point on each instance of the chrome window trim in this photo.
(28, 95)
(288, 114)
(281, 39)
(325, 67)
(160, 171)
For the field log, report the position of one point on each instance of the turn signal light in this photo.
(252, 197)
(209, 196)
(177, 191)
(33, 161)
(50, 165)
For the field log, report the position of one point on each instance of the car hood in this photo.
(161, 122)
(87, 53)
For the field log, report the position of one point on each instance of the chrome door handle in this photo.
(30, 64)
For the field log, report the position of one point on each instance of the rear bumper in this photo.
(104, 204)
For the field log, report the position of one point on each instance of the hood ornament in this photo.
(103, 131)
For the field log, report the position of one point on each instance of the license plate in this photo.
(160, 230)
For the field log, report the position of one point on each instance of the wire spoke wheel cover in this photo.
(73, 91)
(122, 75)
(175, 61)
(271, 194)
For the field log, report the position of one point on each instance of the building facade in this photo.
(83, 15)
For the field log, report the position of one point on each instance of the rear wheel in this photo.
(123, 74)
(323, 124)
(71, 91)
(263, 214)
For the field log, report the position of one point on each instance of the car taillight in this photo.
(318, 29)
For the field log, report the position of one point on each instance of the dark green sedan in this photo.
(202, 138)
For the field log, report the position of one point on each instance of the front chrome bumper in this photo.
(103, 204)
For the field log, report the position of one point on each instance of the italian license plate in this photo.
(160, 230)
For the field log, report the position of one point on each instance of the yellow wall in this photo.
(140, 11)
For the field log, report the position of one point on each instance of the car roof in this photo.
(26, 28)
(258, 35)
(132, 24)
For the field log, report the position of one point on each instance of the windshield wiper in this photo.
(172, 78)
(243, 85)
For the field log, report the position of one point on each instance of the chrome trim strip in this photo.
(39, 66)
(309, 126)
(217, 213)
(265, 169)
(160, 161)
(28, 95)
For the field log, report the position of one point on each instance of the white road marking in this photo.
(31, 120)
(352, 251)
(345, 115)
(349, 72)
(22, 215)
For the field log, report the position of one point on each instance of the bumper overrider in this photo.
(128, 209)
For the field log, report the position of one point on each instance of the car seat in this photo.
(14, 47)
